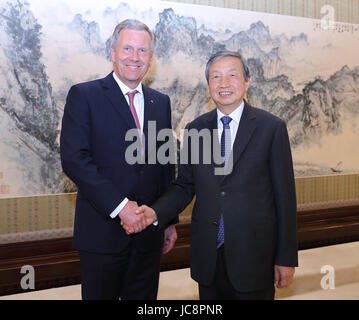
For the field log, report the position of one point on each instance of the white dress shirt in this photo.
(236, 116)
(139, 104)
(138, 101)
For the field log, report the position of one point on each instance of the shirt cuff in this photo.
(115, 212)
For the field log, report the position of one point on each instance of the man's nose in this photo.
(134, 55)
(224, 82)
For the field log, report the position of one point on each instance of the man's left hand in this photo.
(170, 239)
(283, 276)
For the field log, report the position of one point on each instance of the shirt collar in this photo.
(124, 88)
(235, 115)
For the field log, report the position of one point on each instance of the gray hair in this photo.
(132, 24)
(223, 54)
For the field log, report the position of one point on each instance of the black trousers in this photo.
(222, 288)
(132, 274)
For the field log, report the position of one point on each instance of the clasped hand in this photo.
(135, 219)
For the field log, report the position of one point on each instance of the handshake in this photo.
(135, 219)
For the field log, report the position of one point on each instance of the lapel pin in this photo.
(152, 101)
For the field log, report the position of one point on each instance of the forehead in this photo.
(140, 37)
(226, 64)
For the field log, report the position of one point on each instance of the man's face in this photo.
(132, 56)
(227, 85)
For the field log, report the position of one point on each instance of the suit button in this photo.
(223, 194)
(141, 172)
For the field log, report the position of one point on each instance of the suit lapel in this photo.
(212, 125)
(149, 115)
(245, 131)
(114, 94)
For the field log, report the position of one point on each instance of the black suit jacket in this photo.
(95, 122)
(257, 199)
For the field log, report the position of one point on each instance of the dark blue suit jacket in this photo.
(96, 119)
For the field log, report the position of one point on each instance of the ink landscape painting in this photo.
(304, 73)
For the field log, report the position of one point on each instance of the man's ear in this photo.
(151, 59)
(248, 83)
(113, 54)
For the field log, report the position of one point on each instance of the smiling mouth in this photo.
(225, 93)
(133, 67)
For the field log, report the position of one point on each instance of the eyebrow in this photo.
(230, 70)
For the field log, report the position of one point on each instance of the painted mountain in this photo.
(307, 76)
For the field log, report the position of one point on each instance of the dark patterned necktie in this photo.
(225, 152)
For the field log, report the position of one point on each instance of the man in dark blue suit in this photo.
(243, 229)
(97, 116)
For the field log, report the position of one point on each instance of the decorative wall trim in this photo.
(35, 235)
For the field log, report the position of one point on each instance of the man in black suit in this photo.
(243, 229)
(97, 116)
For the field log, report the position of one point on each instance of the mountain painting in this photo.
(306, 74)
